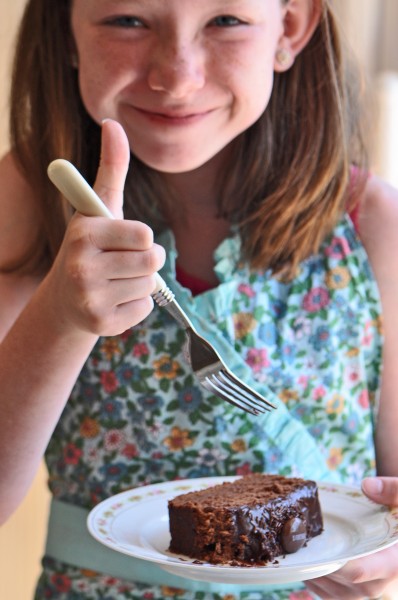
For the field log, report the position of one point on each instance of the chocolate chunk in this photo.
(294, 535)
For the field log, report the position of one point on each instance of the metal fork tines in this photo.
(227, 386)
(207, 365)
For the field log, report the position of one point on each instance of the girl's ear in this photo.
(300, 20)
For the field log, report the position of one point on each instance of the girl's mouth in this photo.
(173, 117)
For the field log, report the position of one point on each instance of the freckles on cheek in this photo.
(98, 80)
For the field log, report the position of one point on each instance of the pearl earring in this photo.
(283, 57)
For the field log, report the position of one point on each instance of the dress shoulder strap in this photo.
(355, 174)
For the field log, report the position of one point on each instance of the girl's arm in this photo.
(99, 284)
(378, 228)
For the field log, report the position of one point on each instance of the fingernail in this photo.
(372, 485)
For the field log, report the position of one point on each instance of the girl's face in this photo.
(183, 77)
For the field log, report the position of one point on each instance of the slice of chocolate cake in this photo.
(250, 521)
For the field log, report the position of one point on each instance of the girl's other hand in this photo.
(369, 576)
(104, 273)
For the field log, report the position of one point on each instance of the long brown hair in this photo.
(290, 179)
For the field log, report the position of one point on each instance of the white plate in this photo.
(136, 523)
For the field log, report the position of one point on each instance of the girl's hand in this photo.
(104, 273)
(366, 577)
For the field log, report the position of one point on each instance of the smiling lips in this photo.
(173, 117)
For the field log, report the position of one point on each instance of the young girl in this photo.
(231, 132)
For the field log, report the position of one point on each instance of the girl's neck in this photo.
(196, 193)
(197, 229)
(196, 241)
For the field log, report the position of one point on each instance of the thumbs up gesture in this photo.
(105, 271)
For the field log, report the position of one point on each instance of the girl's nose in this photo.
(176, 69)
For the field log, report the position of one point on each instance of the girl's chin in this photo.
(174, 165)
(182, 160)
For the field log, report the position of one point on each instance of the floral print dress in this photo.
(137, 415)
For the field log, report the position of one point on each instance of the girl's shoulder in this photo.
(20, 221)
(378, 189)
(378, 208)
(378, 226)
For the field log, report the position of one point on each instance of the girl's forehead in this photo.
(183, 4)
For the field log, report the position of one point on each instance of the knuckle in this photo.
(151, 261)
(90, 307)
(78, 272)
(77, 230)
(145, 262)
(141, 309)
(96, 316)
(124, 317)
(390, 485)
(358, 574)
(161, 255)
(150, 285)
(144, 234)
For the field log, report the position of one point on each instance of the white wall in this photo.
(360, 21)
(10, 11)
(370, 27)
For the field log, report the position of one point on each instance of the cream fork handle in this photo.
(82, 197)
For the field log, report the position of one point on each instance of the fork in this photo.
(206, 363)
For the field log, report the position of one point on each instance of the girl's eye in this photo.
(226, 21)
(125, 21)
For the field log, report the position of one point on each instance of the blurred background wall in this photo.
(370, 27)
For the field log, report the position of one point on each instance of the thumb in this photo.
(114, 163)
(383, 490)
